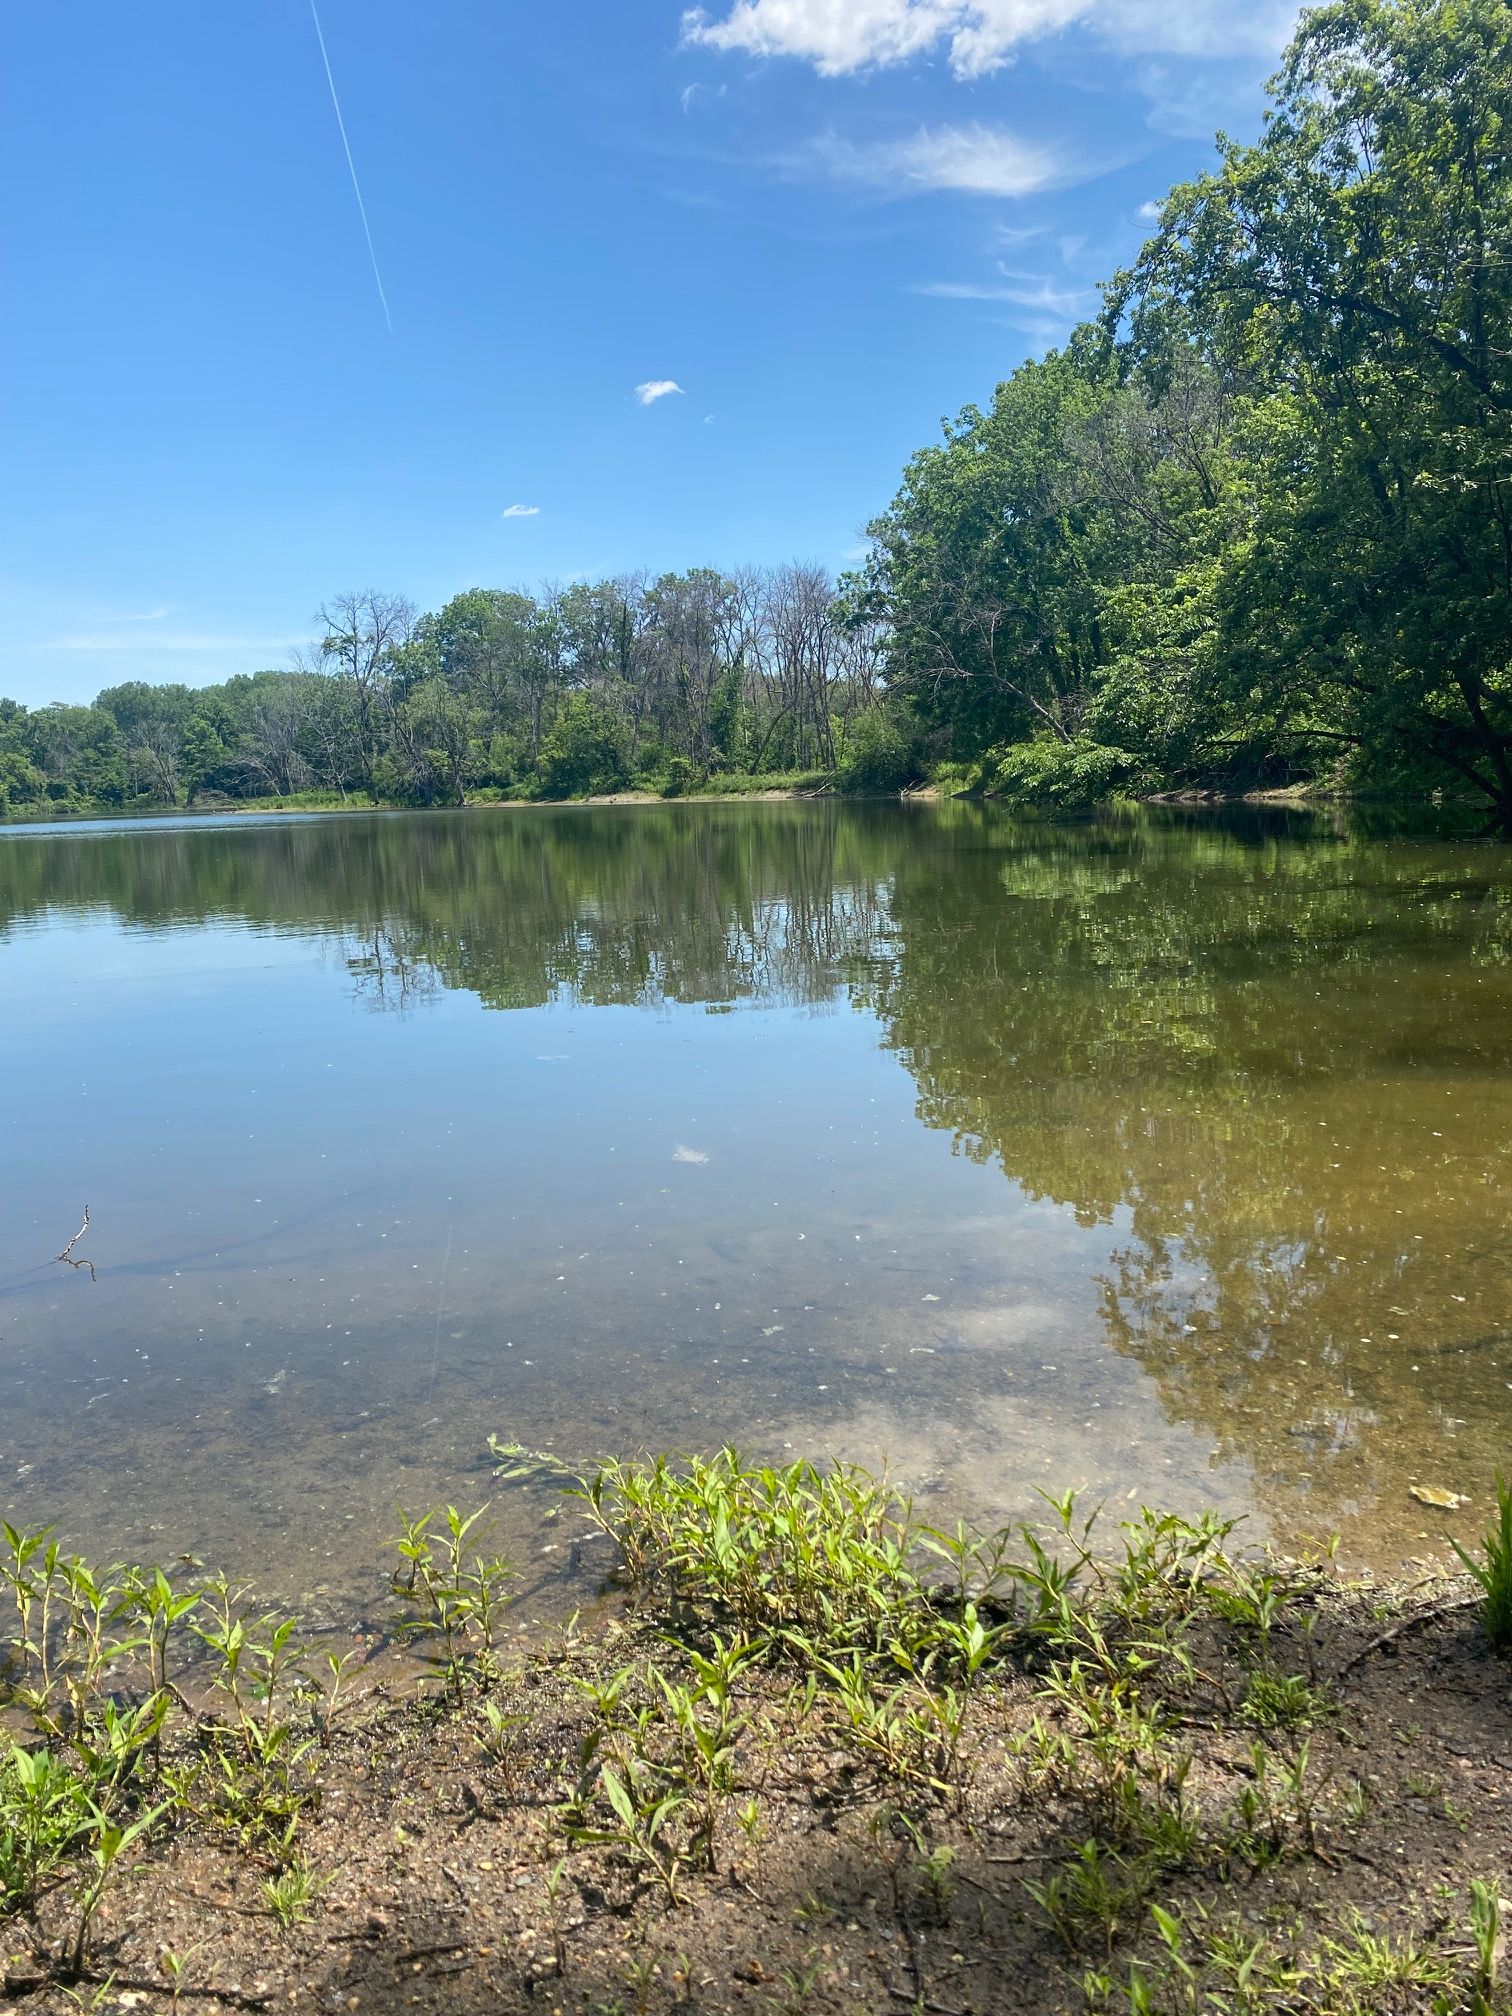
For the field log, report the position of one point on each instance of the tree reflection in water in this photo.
(1269, 1053)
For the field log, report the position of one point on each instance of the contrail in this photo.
(352, 165)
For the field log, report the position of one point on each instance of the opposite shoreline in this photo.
(1300, 798)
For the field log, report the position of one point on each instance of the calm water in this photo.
(1167, 1157)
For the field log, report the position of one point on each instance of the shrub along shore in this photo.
(819, 1756)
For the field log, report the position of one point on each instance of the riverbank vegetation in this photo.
(1250, 528)
(688, 683)
(816, 1755)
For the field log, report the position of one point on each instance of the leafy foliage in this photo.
(1255, 527)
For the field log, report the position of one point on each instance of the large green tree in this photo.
(980, 566)
(1353, 270)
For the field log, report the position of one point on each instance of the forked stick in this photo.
(66, 1256)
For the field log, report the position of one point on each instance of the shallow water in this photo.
(1167, 1157)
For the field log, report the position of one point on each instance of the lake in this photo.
(1166, 1156)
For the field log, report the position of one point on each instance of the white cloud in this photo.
(834, 35)
(656, 388)
(521, 511)
(841, 36)
(1149, 213)
(976, 160)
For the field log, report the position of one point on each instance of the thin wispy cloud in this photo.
(840, 37)
(175, 640)
(521, 511)
(975, 160)
(691, 93)
(656, 388)
(1029, 292)
(1040, 333)
(351, 167)
(1187, 102)
(1209, 29)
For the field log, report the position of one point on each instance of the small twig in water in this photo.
(66, 1256)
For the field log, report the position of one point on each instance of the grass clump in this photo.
(1494, 1573)
(291, 1895)
(1282, 1701)
(822, 1555)
(1207, 1965)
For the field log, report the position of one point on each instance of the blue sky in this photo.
(826, 223)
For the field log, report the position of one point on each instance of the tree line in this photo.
(1250, 527)
(589, 688)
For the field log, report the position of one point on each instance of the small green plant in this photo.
(640, 1828)
(1278, 1806)
(935, 1861)
(1256, 1599)
(1486, 1907)
(29, 1565)
(500, 1735)
(66, 1641)
(1200, 1970)
(1169, 1561)
(160, 1607)
(174, 1967)
(706, 1728)
(978, 1562)
(1093, 1897)
(1045, 1759)
(1494, 1574)
(44, 1814)
(330, 1696)
(291, 1895)
(106, 1842)
(260, 1788)
(795, 1997)
(111, 1741)
(459, 1598)
(641, 1975)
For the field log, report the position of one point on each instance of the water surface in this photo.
(1166, 1156)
